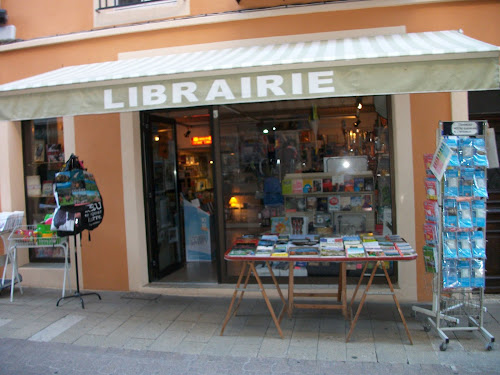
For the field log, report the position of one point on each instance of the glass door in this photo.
(159, 157)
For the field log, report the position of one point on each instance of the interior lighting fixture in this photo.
(265, 131)
(359, 103)
(357, 122)
(156, 138)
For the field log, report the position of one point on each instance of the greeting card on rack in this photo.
(441, 159)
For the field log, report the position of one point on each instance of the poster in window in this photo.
(39, 150)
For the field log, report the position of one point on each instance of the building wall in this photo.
(104, 259)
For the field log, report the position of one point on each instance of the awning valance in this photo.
(374, 65)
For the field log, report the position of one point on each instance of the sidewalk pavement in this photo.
(174, 333)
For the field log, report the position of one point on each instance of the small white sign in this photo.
(464, 128)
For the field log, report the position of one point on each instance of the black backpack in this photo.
(79, 203)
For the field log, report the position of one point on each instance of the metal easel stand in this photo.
(77, 293)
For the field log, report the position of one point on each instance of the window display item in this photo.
(280, 225)
(334, 203)
(298, 224)
(33, 186)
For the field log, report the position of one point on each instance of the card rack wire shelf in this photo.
(12, 220)
(22, 238)
(459, 307)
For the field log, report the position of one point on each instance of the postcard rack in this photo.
(23, 236)
(459, 166)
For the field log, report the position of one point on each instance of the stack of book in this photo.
(303, 250)
(331, 246)
(244, 246)
(266, 244)
(353, 246)
(372, 246)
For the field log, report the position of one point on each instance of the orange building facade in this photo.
(51, 35)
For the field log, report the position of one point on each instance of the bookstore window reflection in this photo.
(43, 156)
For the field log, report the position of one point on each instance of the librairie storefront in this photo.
(236, 79)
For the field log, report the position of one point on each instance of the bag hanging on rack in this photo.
(79, 202)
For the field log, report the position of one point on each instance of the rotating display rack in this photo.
(455, 230)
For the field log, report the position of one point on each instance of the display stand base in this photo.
(79, 295)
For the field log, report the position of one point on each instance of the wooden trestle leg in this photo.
(365, 293)
(248, 268)
(397, 303)
(363, 298)
(235, 293)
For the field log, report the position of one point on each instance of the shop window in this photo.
(43, 156)
(320, 167)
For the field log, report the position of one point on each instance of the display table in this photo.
(248, 269)
(18, 239)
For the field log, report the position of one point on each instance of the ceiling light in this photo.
(359, 103)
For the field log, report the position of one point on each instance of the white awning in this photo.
(375, 65)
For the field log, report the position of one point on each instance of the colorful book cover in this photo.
(359, 184)
(322, 204)
(327, 185)
(308, 186)
(338, 183)
(367, 204)
(317, 185)
(348, 184)
(297, 186)
(311, 203)
(286, 187)
(290, 204)
(345, 203)
(280, 225)
(334, 203)
(356, 203)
